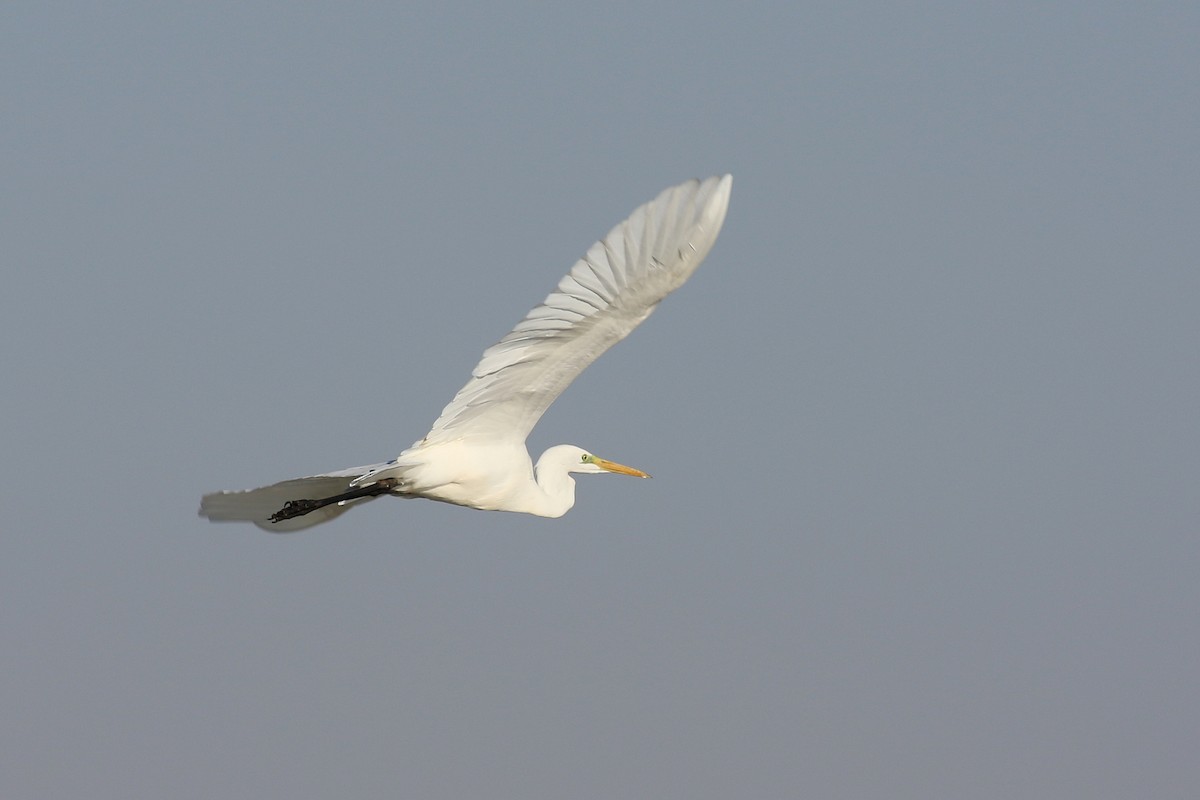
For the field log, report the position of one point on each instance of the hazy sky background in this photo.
(925, 520)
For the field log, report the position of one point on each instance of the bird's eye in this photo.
(585, 458)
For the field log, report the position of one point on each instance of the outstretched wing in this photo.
(607, 294)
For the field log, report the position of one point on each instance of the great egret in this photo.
(475, 453)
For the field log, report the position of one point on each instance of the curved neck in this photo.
(553, 494)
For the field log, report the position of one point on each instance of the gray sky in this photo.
(924, 520)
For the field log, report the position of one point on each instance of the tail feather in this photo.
(257, 505)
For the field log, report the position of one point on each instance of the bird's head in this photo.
(576, 459)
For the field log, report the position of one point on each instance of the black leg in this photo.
(298, 508)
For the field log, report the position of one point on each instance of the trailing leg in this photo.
(298, 508)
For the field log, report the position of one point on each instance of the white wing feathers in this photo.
(608, 292)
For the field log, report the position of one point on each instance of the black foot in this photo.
(298, 508)
(295, 508)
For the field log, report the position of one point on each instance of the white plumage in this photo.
(474, 455)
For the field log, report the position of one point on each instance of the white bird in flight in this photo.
(475, 453)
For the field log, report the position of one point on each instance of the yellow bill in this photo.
(612, 466)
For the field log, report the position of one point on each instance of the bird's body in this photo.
(475, 453)
(497, 476)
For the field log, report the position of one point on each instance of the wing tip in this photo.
(718, 202)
